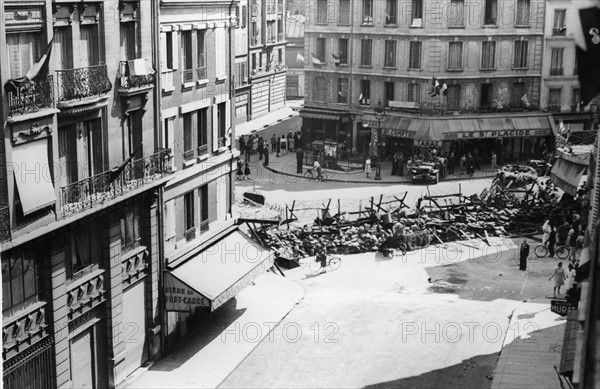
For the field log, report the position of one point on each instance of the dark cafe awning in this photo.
(216, 274)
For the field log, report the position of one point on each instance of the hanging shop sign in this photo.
(428, 143)
(562, 307)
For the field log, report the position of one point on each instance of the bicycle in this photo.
(333, 263)
(561, 251)
(310, 175)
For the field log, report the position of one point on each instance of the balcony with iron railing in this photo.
(4, 223)
(30, 96)
(90, 192)
(133, 77)
(82, 83)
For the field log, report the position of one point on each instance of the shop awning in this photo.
(33, 176)
(397, 127)
(216, 274)
(567, 175)
(428, 133)
(567, 356)
(319, 115)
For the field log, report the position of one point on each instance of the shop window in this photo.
(520, 60)
(415, 55)
(559, 27)
(456, 13)
(391, 12)
(130, 228)
(488, 55)
(556, 62)
(366, 46)
(491, 12)
(344, 16)
(20, 284)
(390, 54)
(455, 56)
(367, 8)
(522, 12)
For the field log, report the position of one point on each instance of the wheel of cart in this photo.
(333, 263)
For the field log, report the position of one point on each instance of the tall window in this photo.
(321, 12)
(89, 45)
(62, 48)
(130, 227)
(554, 99)
(255, 38)
(367, 7)
(415, 55)
(414, 93)
(390, 54)
(128, 40)
(488, 55)
(455, 56)
(559, 27)
(343, 44)
(202, 135)
(342, 90)
(344, 15)
(188, 136)
(321, 49)
(556, 62)
(19, 280)
(222, 122)
(190, 222)
(391, 12)
(453, 99)
(203, 192)
(320, 88)
(491, 12)
(417, 13)
(201, 54)
(188, 60)
(520, 60)
(23, 51)
(365, 92)
(366, 46)
(487, 96)
(518, 91)
(456, 13)
(389, 92)
(576, 100)
(95, 144)
(522, 12)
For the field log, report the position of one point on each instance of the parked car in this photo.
(425, 172)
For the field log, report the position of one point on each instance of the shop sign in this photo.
(428, 143)
(372, 123)
(397, 133)
(84, 318)
(495, 134)
(562, 307)
(180, 297)
(23, 132)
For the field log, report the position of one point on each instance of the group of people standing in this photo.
(255, 144)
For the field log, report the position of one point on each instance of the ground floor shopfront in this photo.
(513, 137)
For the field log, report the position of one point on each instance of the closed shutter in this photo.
(212, 199)
(170, 230)
(163, 51)
(215, 128)
(175, 48)
(134, 327)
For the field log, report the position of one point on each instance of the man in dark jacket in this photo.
(524, 253)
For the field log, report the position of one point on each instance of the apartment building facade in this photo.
(82, 171)
(560, 83)
(386, 76)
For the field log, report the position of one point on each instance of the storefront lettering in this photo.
(179, 297)
(494, 134)
(397, 133)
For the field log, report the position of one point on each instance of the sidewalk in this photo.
(261, 123)
(531, 349)
(209, 354)
(286, 164)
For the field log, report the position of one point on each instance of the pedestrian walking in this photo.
(248, 150)
(401, 164)
(290, 142)
(247, 172)
(559, 278)
(463, 164)
(571, 273)
(580, 240)
(240, 171)
(562, 233)
(395, 163)
(368, 166)
(470, 165)
(494, 161)
(283, 145)
(261, 144)
(451, 162)
(572, 240)
(523, 254)
(266, 155)
(242, 144)
(278, 149)
(322, 259)
(273, 143)
(552, 240)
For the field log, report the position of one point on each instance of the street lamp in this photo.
(379, 114)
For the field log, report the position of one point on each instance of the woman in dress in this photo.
(240, 171)
(546, 230)
(247, 172)
(368, 166)
(559, 278)
(570, 277)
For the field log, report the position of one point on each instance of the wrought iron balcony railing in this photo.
(30, 96)
(76, 84)
(4, 223)
(87, 193)
(129, 78)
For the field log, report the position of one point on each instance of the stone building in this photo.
(388, 76)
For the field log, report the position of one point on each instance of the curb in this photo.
(382, 182)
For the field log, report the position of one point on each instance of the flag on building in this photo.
(316, 60)
(584, 20)
(299, 58)
(525, 100)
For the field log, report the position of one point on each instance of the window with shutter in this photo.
(520, 59)
(488, 55)
(415, 55)
(390, 54)
(455, 56)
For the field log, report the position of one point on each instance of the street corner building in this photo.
(116, 176)
(391, 76)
